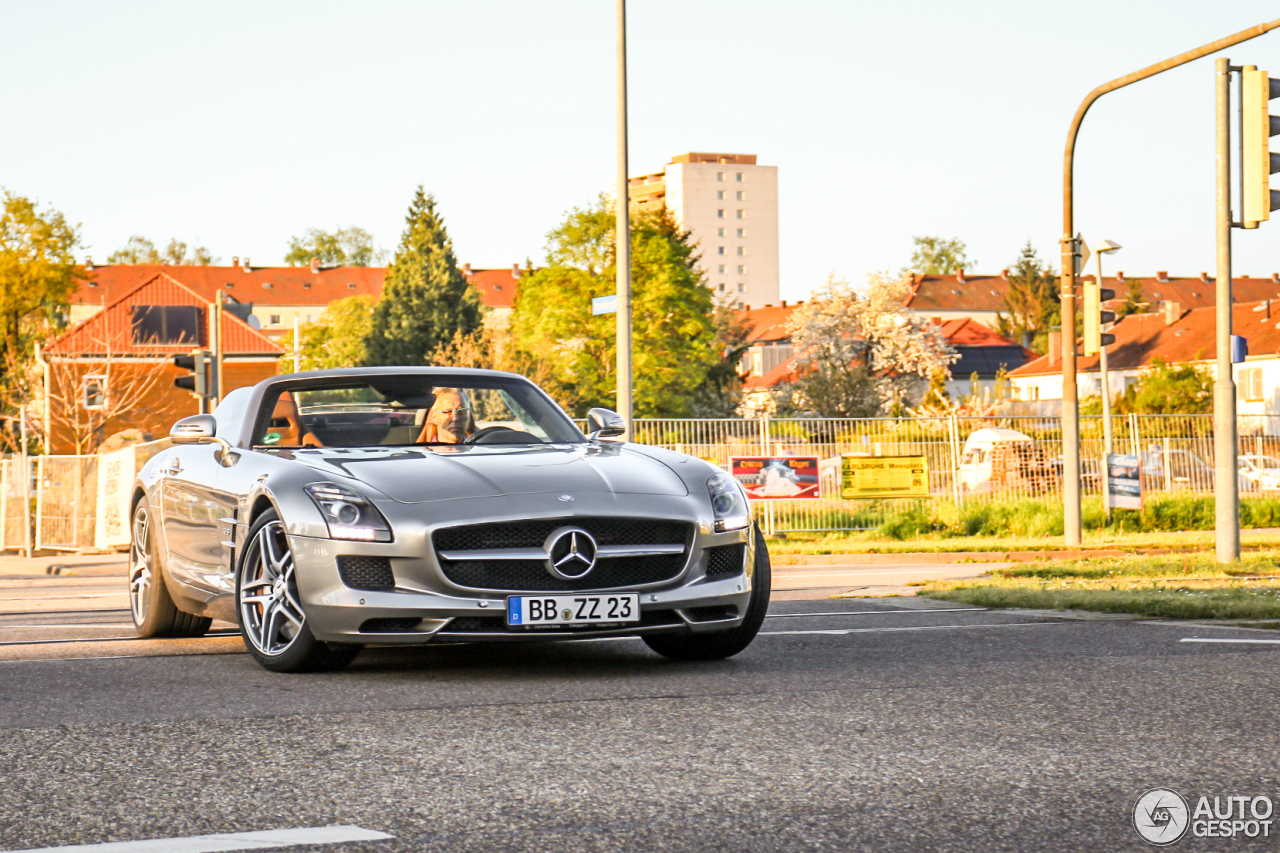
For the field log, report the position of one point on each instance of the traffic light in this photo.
(201, 380)
(1258, 162)
(1095, 295)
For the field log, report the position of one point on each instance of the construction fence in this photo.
(59, 503)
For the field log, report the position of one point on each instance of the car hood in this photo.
(415, 475)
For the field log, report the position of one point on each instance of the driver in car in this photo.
(449, 421)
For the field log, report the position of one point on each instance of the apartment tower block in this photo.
(730, 205)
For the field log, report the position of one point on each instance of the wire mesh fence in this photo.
(967, 459)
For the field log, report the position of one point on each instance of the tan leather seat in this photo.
(286, 421)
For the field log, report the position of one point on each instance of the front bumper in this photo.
(413, 613)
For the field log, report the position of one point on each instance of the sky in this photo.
(237, 125)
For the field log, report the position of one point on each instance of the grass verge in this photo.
(1191, 586)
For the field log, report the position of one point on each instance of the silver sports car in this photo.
(329, 510)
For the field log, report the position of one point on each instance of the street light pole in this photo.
(1226, 492)
(1070, 400)
(623, 232)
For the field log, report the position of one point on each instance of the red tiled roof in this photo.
(272, 285)
(497, 287)
(1141, 338)
(768, 323)
(966, 332)
(112, 327)
(986, 292)
(782, 372)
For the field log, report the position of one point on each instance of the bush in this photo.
(910, 523)
(1011, 518)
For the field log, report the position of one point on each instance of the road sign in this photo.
(605, 304)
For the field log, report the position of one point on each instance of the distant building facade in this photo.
(729, 203)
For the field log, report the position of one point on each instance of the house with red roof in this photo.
(114, 371)
(981, 297)
(275, 296)
(1173, 335)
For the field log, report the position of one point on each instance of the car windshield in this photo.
(408, 409)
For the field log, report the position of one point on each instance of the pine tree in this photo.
(1031, 302)
(426, 299)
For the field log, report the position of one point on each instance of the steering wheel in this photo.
(501, 435)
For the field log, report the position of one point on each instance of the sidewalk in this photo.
(84, 565)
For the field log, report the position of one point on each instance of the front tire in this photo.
(272, 621)
(152, 608)
(724, 644)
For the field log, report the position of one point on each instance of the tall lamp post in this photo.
(623, 231)
(1106, 247)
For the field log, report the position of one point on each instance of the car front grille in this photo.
(532, 575)
(370, 573)
(725, 560)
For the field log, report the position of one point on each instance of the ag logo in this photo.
(1161, 816)
(571, 553)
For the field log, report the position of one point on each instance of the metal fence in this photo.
(55, 505)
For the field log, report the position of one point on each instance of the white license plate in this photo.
(530, 610)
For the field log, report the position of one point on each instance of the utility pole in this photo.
(623, 232)
(1226, 492)
(1070, 400)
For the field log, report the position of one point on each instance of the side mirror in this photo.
(196, 429)
(604, 423)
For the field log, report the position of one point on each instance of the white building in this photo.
(730, 205)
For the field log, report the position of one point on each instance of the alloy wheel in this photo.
(269, 608)
(141, 573)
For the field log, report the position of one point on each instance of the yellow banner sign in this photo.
(884, 477)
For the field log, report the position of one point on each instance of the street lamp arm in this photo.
(1121, 82)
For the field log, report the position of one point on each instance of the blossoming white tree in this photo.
(861, 352)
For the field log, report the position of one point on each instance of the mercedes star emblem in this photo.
(571, 553)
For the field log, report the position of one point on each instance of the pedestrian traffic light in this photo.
(200, 380)
(1095, 295)
(1258, 162)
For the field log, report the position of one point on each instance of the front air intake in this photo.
(371, 573)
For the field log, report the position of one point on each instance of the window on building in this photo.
(274, 320)
(1251, 384)
(721, 284)
(742, 269)
(167, 324)
(719, 250)
(742, 214)
(741, 195)
(722, 269)
(95, 392)
(742, 250)
(719, 176)
(719, 232)
(742, 232)
(738, 177)
(720, 195)
(742, 288)
(719, 214)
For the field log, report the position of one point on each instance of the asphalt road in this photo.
(851, 724)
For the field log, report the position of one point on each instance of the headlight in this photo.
(348, 513)
(728, 502)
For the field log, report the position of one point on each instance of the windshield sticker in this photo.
(271, 438)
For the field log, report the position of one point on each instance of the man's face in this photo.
(450, 416)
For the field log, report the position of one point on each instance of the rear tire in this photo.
(272, 621)
(723, 644)
(152, 608)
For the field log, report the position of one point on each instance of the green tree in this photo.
(1169, 389)
(344, 247)
(936, 256)
(674, 333)
(336, 339)
(37, 276)
(140, 250)
(1031, 302)
(721, 394)
(426, 299)
(1135, 301)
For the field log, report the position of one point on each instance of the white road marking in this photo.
(86, 595)
(1225, 640)
(878, 612)
(852, 570)
(4, 627)
(838, 631)
(225, 841)
(132, 637)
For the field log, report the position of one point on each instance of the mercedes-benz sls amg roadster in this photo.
(326, 511)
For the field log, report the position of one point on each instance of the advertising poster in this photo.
(884, 477)
(115, 481)
(773, 478)
(1124, 481)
